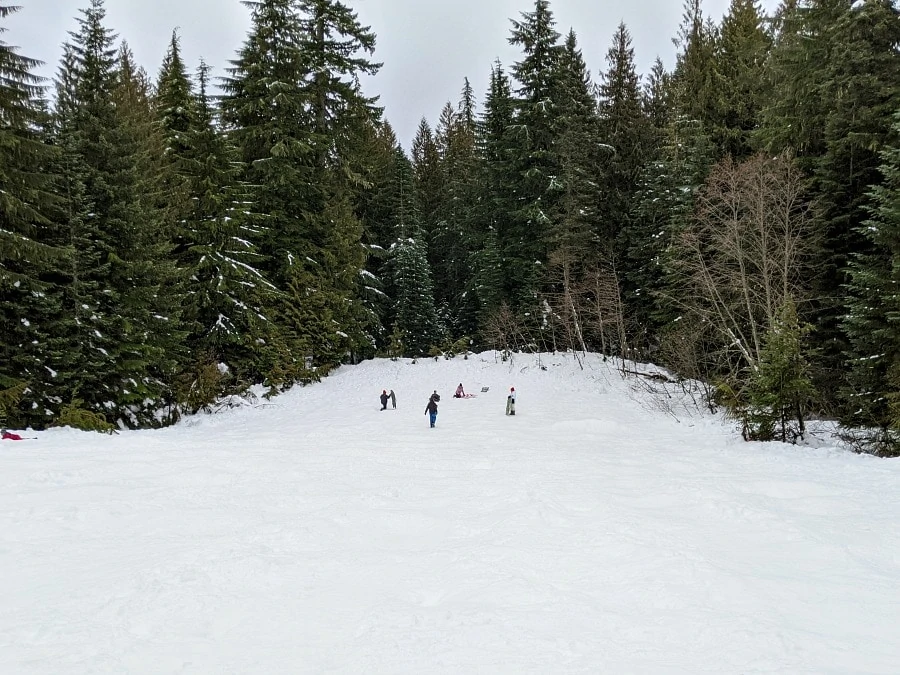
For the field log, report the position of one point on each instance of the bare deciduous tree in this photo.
(746, 252)
(604, 310)
(742, 263)
(503, 330)
(565, 300)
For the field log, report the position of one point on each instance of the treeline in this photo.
(735, 219)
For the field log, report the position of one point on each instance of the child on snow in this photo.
(9, 436)
(384, 399)
(511, 402)
(431, 409)
(460, 393)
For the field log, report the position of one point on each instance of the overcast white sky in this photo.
(427, 46)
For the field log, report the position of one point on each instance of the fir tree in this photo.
(26, 197)
(294, 100)
(695, 87)
(532, 159)
(85, 85)
(629, 137)
(498, 195)
(30, 250)
(174, 102)
(450, 240)
(668, 189)
(375, 201)
(124, 329)
(626, 133)
(463, 213)
(217, 250)
(150, 337)
(873, 320)
(742, 49)
(488, 277)
(576, 140)
(780, 391)
(835, 68)
(679, 154)
(656, 99)
(268, 114)
(429, 175)
(794, 112)
(339, 50)
(415, 316)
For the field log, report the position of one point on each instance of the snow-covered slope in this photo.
(594, 532)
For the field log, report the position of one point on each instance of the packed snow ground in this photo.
(594, 532)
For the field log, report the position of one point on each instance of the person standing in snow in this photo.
(9, 436)
(393, 399)
(431, 410)
(511, 402)
(460, 392)
(384, 399)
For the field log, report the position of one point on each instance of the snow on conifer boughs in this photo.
(216, 233)
(412, 289)
(416, 317)
(31, 247)
(120, 292)
(294, 102)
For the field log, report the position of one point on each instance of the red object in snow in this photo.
(8, 436)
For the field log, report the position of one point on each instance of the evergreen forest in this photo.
(170, 240)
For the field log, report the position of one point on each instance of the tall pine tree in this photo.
(873, 320)
(836, 71)
(412, 287)
(30, 250)
(121, 296)
(294, 101)
(534, 164)
(497, 199)
(216, 233)
(742, 49)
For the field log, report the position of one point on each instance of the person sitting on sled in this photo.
(9, 436)
(460, 392)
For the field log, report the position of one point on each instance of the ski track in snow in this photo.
(590, 533)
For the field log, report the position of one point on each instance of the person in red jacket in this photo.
(9, 436)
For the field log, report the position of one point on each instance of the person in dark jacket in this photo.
(384, 399)
(431, 409)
